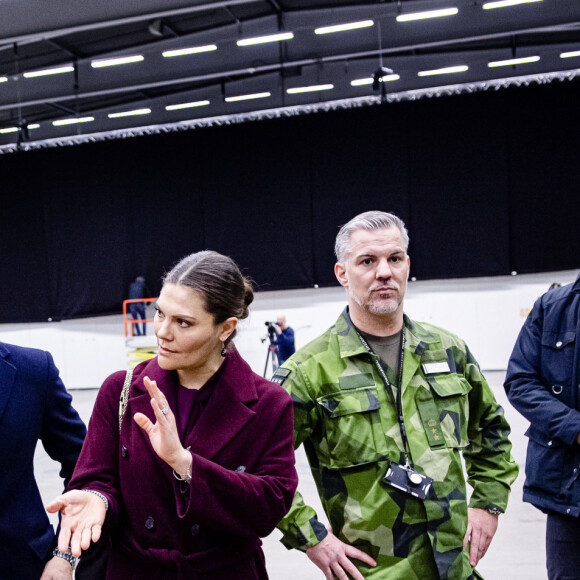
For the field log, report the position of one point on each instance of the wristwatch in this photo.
(494, 511)
(72, 560)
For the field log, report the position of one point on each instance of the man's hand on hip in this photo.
(481, 527)
(332, 557)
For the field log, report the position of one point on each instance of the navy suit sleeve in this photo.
(526, 389)
(63, 431)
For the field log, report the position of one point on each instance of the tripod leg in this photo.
(266, 367)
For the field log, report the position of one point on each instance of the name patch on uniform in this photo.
(436, 367)
(280, 376)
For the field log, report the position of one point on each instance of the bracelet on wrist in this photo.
(68, 556)
(186, 478)
(99, 494)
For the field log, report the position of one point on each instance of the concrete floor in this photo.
(517, 551)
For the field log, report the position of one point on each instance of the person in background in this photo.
(543, 383)
(138, 290)
(200, 465)
(284, 339)
(386, 407)
(34, 406)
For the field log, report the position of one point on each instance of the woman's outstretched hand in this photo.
(82, 517)
(163, 433)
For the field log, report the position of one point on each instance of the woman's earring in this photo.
(223, 350)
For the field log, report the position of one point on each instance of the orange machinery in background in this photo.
(139, 347)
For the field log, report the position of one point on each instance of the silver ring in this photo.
(165, 410)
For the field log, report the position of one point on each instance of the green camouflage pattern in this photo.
(348, 425)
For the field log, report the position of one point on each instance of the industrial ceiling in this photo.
(72, 72)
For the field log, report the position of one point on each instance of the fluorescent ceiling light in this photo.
(190, 50)
(369, 80)
(129, 113)
(49, 71)
(72, 121)
(3, 79)
(570, 54)
(34, 126)
(512, 61)
(186, 105)
(427, 14)
(310, 89)
(8, 130)
(102, 62)
(443, 71)
(248, 97)
(264, 39)
(504, 3)
(343, 27)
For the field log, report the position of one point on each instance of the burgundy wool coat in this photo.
(243, 478)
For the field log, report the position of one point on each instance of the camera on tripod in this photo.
(271, 324)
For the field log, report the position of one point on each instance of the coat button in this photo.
(559, 344)
(549, 444)
(195, 530)
(149, 523)
(124, 451)
(241, 468)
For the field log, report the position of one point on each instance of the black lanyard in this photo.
(398, 402)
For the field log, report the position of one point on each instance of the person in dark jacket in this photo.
(543, 384)
(137, 291)
(284, 339)
(200, 465)
(34, 405)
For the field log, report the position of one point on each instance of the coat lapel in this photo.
(7, 378)
(226, 412)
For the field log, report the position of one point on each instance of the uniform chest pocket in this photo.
(444, 410)
(353, 434)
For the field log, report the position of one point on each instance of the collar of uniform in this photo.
(417, 337)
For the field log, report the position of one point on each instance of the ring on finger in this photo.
(165, 410)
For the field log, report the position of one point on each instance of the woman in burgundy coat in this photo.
(202, 464)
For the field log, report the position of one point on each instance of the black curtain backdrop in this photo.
(487, 184)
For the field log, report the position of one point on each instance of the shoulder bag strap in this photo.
(124, 397)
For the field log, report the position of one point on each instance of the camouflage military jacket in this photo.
(345, 419)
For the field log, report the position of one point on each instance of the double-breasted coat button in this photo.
(195, 530)
(149, 523)
(124, 451)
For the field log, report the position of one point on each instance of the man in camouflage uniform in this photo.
(346, 416)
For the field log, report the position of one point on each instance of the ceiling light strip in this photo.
(129, 113)
(72, 121)
(443, 71)
(427, 14)
(570, 54)
(249, 97)
(190, 50)
(513, 61)
(370, 80)
(103, 62)
(310, 89)
(344, 27)
(265, 39)
(186, 105)
(49, 71)
(506, 3)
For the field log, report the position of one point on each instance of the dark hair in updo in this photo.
(218, 280)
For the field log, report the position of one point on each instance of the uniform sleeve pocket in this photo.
(352, 427)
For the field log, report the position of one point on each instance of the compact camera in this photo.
(408, 480)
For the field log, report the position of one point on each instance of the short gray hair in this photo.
(369, 220)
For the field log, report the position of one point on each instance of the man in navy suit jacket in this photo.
(34, 404)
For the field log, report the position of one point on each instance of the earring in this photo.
(223, 353)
